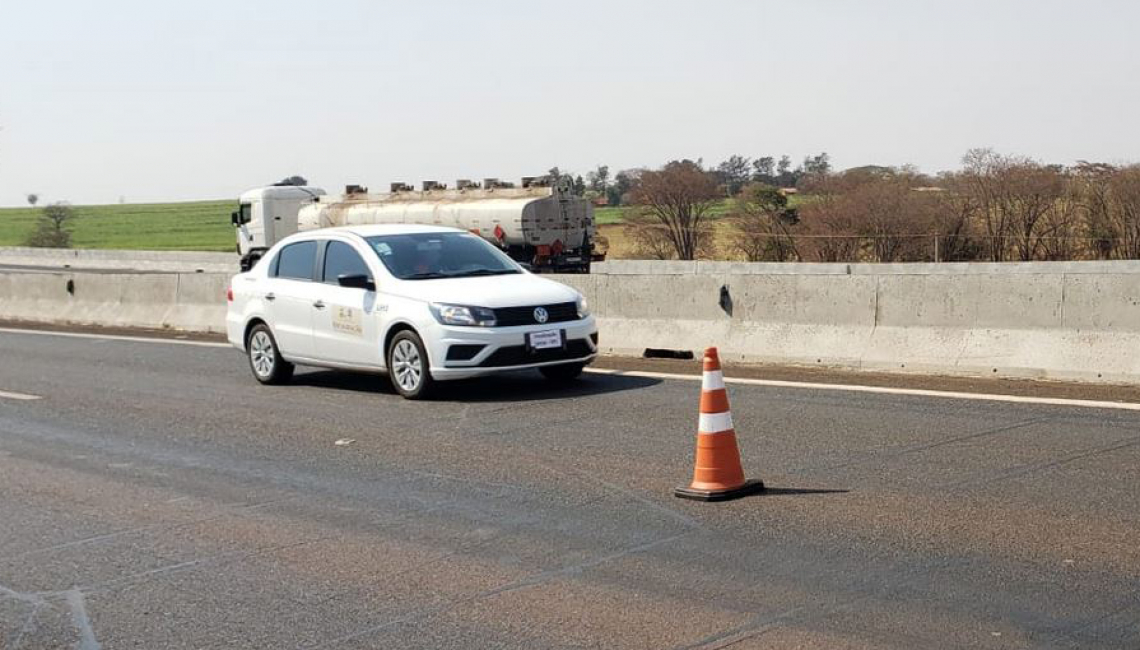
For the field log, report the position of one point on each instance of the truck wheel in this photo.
(562, 373)
(265, 360)
(408, 366)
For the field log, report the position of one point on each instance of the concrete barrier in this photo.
(162, 261)
(183, 301)
(1075, 321)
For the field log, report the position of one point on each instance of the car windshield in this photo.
(424, 256)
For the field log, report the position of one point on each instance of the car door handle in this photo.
(270, 297)
(319, 304)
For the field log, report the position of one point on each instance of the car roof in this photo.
(370, 230)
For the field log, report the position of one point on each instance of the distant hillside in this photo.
(198, 225)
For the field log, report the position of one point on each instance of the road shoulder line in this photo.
(883, 390)
(18, 396)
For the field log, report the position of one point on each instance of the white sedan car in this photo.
(422, 303)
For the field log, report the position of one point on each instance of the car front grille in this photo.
(514, 316)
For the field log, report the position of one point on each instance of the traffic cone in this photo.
(717, 475)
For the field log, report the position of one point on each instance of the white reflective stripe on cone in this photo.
(715, 422)
(712, 380)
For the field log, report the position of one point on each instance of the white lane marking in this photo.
(114, 337)
(81, 620)
(853, 388)
(883, 390)
(20, 396)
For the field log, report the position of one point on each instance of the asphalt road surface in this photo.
(155, 496)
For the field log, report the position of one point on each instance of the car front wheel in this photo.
(408, 366)
(265, 359)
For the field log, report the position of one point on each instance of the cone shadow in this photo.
(778, 491)
(749, 489)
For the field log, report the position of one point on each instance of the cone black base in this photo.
(749, 487)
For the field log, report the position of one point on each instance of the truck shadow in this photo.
(520, 386)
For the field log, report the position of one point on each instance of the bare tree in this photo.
(956, 212)
(50, 231)
(1108, 199)
(763, 225)
(1016, 196)
(1060, 236)
(830, 232)
(678, 198)
(1031, 193)
(1124, 187)
(871, 216)
(648, 239)
(33, 199)
(980, 178)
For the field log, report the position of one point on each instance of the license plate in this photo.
(545, 340)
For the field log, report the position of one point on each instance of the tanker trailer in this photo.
(544, 226)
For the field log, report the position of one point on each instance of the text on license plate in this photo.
(546, 340)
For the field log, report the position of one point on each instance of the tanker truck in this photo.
(540, 224)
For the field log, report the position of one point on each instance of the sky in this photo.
(161, 101)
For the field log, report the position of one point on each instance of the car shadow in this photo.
(505, 387)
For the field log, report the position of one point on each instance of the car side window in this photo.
(342, 259)
(295, 261)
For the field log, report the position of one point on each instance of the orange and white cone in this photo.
(717, 475)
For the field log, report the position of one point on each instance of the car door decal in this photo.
(348, 321)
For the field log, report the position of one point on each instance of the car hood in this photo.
(494, 291)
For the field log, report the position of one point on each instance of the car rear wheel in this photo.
(408, 366)
(265, 359)
(562, 372)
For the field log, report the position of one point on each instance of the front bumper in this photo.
(483, 351)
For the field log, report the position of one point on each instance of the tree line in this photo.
(995, 208)
(730, 175)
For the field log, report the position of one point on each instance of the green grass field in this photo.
(193, 226)
(609, 216)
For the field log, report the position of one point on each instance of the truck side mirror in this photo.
(235, 219)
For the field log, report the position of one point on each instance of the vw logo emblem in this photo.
(540, 315)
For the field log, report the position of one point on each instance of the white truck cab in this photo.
(267, 215)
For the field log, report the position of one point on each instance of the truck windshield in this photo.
(425, 256)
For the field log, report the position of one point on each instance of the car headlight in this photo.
(463, 315)
(583, 306)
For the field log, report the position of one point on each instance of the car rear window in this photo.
(295, 261)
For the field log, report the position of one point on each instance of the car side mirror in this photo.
(356, 281)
